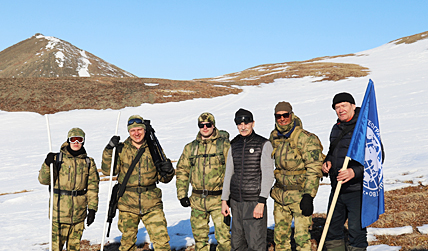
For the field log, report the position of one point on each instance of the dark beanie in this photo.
(342, 97)
(244, 113)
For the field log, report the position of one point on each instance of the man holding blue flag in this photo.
(349, 201)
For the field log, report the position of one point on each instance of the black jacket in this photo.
(337, 157)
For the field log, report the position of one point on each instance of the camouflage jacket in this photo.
(298, 162)
(204, 168)
(143, 175)
(74, 174)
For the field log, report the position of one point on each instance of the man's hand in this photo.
(225, 210)
(307, 205)
(91, 217)
(166, 168)
(50, 159)
(258, 210)
(345, 175)
(114, 141)
(326, 166)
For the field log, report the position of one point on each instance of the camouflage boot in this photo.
(335, 245)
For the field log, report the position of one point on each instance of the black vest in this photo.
(245, 184)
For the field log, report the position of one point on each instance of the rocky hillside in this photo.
(51, 95)
(44, 56)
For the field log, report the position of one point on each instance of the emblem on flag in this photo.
(366, 148)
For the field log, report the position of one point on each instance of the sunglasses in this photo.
(209, 125)
(77, 139)
(245, 119)
(284, 115)
(137, 120)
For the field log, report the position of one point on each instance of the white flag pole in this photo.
(110, 186)
(52, 187)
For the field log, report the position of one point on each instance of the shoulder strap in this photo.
(294, 139)
(88, 162)
(224, 137)
(128, 174)
(193, 153)
(58, 161)
(219, 150)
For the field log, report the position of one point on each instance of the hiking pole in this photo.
(332, 206)
(110, 185)
(51, 187)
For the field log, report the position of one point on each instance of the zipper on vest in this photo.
(242, 170)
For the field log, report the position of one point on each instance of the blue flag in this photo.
(366, 148)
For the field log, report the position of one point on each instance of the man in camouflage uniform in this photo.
(203, 164)
(76, 182)
(298, 161)
(142, 200)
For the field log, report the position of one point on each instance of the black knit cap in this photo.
(342, 97)
(243, 115)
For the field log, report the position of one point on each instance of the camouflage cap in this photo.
(136, 121)
(76, 132)
(283, 106)
(206, 117)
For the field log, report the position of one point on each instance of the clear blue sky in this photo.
(195, 39)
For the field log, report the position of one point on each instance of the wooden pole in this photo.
(332, 206)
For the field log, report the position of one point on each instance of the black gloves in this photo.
(114, 141)
(91, 217)
(185, 202)
(307, 205)
(50, 159)
(166, 168)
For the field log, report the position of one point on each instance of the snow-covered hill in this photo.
(399, 72)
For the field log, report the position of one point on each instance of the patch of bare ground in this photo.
(51, 95)
(403, 207)
(267, 73)
(23, 191)
(411, 39)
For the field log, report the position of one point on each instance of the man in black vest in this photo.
(247, 183)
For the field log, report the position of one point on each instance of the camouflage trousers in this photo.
(200, 229)
(70, 233)
(155, 224)
(283, 217)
